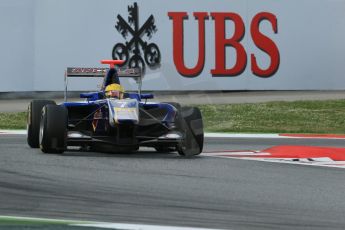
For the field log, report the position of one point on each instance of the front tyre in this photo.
(33, 121)
(53, 129)
(191, 125)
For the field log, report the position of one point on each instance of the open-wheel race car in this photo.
(113, 120)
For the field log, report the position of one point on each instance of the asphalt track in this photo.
(165, 189)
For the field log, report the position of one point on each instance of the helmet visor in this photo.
(114, 94)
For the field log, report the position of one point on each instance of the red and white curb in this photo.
(303, 155)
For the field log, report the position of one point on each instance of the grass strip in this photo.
(13, 120)
(27, 221)
(276, 117)
(271, 117)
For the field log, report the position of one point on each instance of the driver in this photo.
(114, 91)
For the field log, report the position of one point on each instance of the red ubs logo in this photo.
(263, 42)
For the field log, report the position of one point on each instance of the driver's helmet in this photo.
(114, 91)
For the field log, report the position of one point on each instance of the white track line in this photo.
(137, 226)
(14, 132)
(105, 225)
(260, 135)
(242, 135)
(211, 135)
(215, 135)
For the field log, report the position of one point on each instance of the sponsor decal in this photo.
(85, 72)
(136, 50)
(261, 41)
(96, 117)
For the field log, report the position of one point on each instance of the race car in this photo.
(113, 120)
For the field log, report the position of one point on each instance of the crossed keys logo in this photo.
(122, 51)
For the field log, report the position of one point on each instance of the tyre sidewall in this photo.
(33, 121)
(53, 129)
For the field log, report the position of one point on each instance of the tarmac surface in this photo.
(165, 189)
(8, 104)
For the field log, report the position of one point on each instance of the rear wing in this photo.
(101, 72)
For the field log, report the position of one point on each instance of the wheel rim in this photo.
(41, 133)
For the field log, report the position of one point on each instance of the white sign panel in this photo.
(183, 45)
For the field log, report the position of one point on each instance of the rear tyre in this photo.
(53, 129)
(191, 125)
(33, 121)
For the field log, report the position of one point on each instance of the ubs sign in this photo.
(263, 42)
(132, 55)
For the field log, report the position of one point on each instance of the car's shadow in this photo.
(144, 154)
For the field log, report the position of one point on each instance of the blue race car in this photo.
(113, 120)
